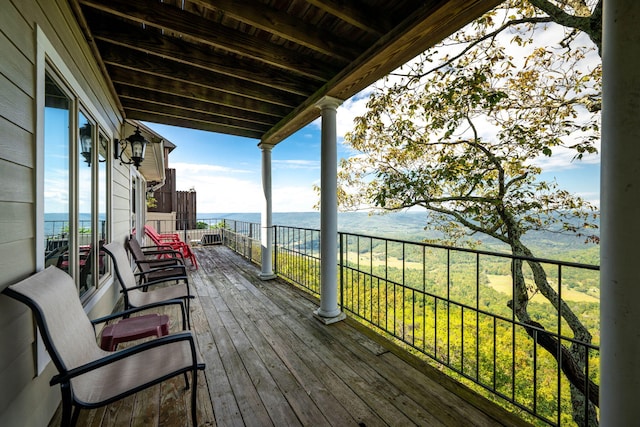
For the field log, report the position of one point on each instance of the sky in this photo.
(226, 172)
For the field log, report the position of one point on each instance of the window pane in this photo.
(86, 264)
(102, 201)
(56, 174)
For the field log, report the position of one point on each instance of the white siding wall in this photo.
(26, 399)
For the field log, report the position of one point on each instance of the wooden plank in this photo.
(365, 374)
(289, 27)
(225, 406)
(118, 56)
(15, 26)
(122, 76)
(366, 385)
(140, 41)
(145, 408)
(248, 399)
(217, 36)
(327, 390)
(128, 92)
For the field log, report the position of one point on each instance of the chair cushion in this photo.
(131, 372)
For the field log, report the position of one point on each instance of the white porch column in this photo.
(266, 224)
(620, 210)
(329, 311)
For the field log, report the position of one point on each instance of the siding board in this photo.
(13, 220)
(14, 27)
(16, 66)
(17, 260)
(16, 144)
(17, 329)
(17, 184)
(16, 376)
(15, 105)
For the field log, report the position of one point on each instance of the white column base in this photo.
(266, 276)
(331, 318)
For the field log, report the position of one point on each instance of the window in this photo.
(101, 196)
(75, 187)
(57, 209)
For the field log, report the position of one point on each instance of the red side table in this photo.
(134, 328)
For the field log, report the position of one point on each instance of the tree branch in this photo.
(533, 20)
(590, 25)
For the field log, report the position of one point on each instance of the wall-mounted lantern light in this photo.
(138, 144)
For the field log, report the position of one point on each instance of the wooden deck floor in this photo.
(271, 363)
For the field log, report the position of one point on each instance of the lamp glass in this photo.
(86, 141)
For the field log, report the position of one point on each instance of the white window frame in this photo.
(47, 59)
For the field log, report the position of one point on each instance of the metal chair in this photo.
(90, 377)
(172, 240)
(149, 290)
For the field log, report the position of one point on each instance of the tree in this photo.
(459, 130)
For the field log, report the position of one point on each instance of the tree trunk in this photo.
(572, 360)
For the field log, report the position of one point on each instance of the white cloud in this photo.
(292, 198)
(348, 111)
(296, 164)
(562, 159)
(197, 168)
(222, 189)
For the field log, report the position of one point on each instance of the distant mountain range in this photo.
(410, 226)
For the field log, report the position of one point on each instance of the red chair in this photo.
(172, 240)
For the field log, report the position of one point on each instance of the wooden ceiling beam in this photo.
(184, 114)
(284, 25)
(127, 92)
(355, 14)
(187, 123)
(171, 86)
(425, 27)
(153, 65)
(199, 29)
(139, 41)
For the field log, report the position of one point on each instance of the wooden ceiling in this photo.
(256, 68)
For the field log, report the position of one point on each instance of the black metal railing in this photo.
(439, 301)
(56, 232)
(241, 236)
(452, 305)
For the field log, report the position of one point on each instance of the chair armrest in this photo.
(126, 313)
(162, 246)
(165, 254)
(176, 261)
(155, 250)
(157, 282)
(181, 267)
(129, 351)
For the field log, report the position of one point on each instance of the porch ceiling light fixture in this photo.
(138, 145)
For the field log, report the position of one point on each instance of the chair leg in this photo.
(185, 320)
(186, 381)
(74, 418)
(188, 308)
(194, 395)
(66, 406)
